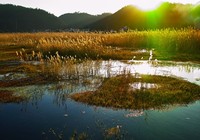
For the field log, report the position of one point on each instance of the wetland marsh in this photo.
(97, 86)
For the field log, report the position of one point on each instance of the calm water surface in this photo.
(50, 115)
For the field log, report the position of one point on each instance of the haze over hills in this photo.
(167, 15)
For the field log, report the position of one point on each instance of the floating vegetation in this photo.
(113, 131)
(77, 136)
(116, 92)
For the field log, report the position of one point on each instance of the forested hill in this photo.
(80, 20)
(167, 15)
(21, 19)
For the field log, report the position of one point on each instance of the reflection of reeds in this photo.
(61, 67)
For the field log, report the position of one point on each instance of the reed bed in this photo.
(125, 45)
(65, 55)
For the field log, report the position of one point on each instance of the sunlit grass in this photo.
(168, 44)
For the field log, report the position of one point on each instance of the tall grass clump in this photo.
(57, 67)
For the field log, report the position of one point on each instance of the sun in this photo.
(147, 5)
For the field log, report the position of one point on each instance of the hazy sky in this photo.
(59, 7)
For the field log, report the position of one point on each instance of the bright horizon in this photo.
(60, 7)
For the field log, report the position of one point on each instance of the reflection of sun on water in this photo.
(186, 71)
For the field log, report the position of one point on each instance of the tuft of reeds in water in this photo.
(59, 67)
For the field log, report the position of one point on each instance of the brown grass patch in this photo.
(9, 97)
(116, 92)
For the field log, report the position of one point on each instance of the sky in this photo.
(94, 7)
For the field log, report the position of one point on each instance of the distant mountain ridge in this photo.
(167, 15)
(80, 20)
(21, 19)
(127, 16)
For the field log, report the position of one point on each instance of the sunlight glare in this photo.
(147, 5)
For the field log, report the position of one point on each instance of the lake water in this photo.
(49, 114)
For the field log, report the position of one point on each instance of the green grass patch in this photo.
(116, 92)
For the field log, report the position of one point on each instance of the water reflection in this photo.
(59, 91)
(33, 95)
(184, 70)
(12, 76)
(79, 71)
(91, 74)
(48, 110)
(143, 86)
(134, 113)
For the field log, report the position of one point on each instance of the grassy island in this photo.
(148, 91)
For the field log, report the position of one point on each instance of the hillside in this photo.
(80, 20)
(127, 16)
(21, 19)
(167, 15)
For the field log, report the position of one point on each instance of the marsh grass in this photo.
(168, 44)
(69, 56)
(116, 92)
(53, 69)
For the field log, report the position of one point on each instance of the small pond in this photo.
(49, 114)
